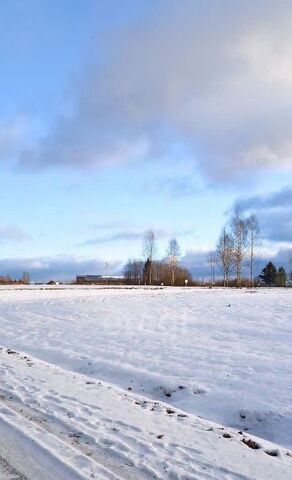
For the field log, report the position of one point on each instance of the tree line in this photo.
(273, 277)
(7, 280)
(148, 270)
(236, 245)
(236, 248)
(235, 253)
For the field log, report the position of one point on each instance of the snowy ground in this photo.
(111, 383)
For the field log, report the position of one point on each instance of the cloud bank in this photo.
(197, 262)
(42, 269)
(212, 77)
(274, 211)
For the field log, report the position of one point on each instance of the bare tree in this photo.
(162, 272)
(173, 253)
(128, 271)
(25, 278)
(133, 271)
(149, 250)
(253, 240)
(239, 232)
(138, 271)
(225, 255)
(212, 262)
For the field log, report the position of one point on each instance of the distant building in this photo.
(98, 279)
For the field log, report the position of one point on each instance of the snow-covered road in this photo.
(113, 362)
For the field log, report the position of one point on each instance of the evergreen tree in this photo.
(147, 272)
(281, 277)
(269, 274)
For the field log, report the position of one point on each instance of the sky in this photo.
(117, 117)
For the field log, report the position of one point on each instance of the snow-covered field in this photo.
(112, 383)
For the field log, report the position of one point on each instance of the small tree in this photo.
(269, 274)
(281, 277)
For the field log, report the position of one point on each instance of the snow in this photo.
(111, 383)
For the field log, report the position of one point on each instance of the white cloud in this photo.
(214, 76)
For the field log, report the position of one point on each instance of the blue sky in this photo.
(116, 117)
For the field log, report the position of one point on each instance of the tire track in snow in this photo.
(7, 472)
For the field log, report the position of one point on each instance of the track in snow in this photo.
(56, 424)
(7, 472)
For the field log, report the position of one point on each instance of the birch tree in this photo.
(149, 250)
(224, 255)
(253, 233)
(212, 262)
(239, 232)
(173, 253)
